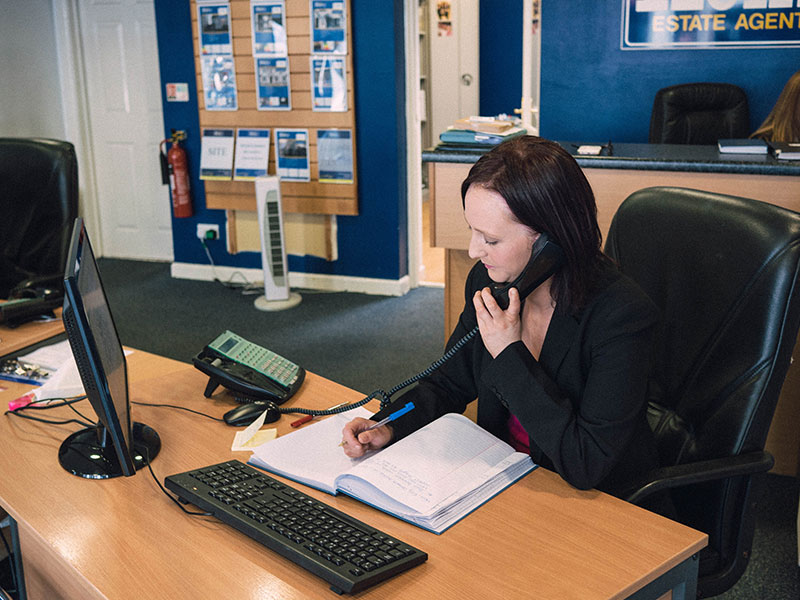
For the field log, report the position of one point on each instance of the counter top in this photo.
(647, 157)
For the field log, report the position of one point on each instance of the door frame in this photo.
(75, 110)
(416, 269)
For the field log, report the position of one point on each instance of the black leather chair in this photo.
(38, 202)
(699, 113)
(723, 270)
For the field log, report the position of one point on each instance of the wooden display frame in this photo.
(297, 197)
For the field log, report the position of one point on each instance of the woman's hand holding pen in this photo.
(356, 441)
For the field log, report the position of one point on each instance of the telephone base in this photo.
(211, 387)
(261, 303)
(239, 395)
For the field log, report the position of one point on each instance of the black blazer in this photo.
(583, 403)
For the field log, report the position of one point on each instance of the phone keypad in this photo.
(254, 356)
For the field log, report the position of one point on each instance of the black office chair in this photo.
(7, 564)
(699, 113)
(723, 270)
(38, 204)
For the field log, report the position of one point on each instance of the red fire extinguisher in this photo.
(175, 171)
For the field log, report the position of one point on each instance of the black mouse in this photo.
(247, 413)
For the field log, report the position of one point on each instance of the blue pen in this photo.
(391, 417)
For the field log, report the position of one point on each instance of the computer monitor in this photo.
(116, 445)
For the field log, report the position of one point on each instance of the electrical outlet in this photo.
(206, 231)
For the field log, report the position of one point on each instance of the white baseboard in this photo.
(310, 281)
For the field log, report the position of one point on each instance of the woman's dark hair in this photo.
(547, 191)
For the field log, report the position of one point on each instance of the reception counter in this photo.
(628, 168)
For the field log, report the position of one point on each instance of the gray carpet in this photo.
(773, 573)
(370, 342)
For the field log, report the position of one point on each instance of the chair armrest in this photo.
(700, 472)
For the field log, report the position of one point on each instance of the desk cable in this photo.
(247, 287)
(175, 406)
(385, 397)
(85, 421)
(53, 403)
(166, 493)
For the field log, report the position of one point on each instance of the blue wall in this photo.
(500, 58)
(593, 91)
(372, 244)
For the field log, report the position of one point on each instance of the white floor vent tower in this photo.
(277, 295)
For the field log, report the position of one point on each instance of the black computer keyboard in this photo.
(347, 553)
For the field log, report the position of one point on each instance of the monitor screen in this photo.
(117, 445)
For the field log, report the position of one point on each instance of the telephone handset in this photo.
(546, 258)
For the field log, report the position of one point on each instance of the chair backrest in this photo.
(39, 202)
(723, 271)
(699, 113)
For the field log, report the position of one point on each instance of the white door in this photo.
(453, 35)
(120, 50)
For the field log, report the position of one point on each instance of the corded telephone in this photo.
(260, 374)
(248, 369)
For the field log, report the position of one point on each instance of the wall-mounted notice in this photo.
(672, 24)
(328, 27)
(328, 84)
(252, 154)
(335, 155)
(291, 154)
(219, 83)
(269, 27)
(272, 84)
(216, 154)
(214, 23)
(178, 92)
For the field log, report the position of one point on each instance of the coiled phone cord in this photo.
(383, 396)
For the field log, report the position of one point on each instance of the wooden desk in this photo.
(28, 334)
(634, 166)
(122, 538)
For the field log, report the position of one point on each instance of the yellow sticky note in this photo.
(253, 436)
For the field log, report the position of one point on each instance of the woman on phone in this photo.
(563, 373)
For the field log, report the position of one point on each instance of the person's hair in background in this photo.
(547, 191)
(783, 122)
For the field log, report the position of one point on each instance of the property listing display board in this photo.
(277, 77)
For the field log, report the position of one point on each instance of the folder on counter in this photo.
(470, 137)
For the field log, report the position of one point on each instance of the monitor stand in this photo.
(82, 453)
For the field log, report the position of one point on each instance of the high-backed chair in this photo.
(723, 271)
(699, 113)
(38, 203)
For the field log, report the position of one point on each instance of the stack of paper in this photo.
(484, 124)
(470, 137)
(742, 146)
(786, 150)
